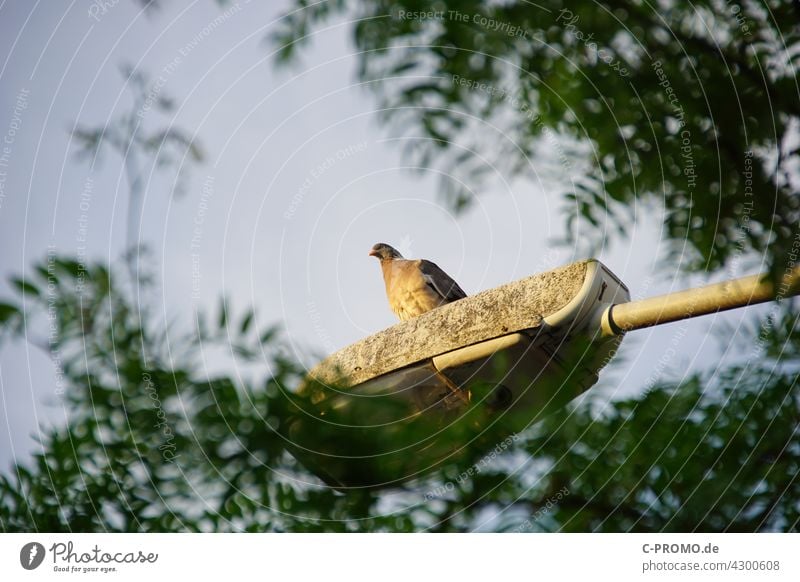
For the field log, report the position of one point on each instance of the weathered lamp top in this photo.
(490, 314)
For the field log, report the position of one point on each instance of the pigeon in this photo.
(414, 287)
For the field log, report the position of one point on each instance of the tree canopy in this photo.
(691, 106)
(615, 106)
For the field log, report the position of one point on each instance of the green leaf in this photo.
(223, 314)
(69, 266)
(7, 311)
(25, 287)
(246, 321)
(268, 334)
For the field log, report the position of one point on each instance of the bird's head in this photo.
(384, 252)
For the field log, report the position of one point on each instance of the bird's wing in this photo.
(440, 281)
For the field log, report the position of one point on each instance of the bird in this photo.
(414, 286)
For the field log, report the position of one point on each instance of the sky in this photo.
(299, 181)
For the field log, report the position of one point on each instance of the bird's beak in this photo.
(373, 253)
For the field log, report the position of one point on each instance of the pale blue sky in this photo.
(299, 256)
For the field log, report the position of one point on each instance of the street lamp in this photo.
(464, 377)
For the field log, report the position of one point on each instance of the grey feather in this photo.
(440, 281)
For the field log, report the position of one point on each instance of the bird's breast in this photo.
(409, 295)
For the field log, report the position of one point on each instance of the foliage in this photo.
(154, 445)
(711, 454)
(142, 151)
(690, 105)
(156, 442)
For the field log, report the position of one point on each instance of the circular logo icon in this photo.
(31, 555)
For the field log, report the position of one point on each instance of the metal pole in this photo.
(624, 317)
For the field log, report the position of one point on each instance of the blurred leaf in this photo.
(222, 320)
(246, 321)
(25, 287)
(7, 311)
